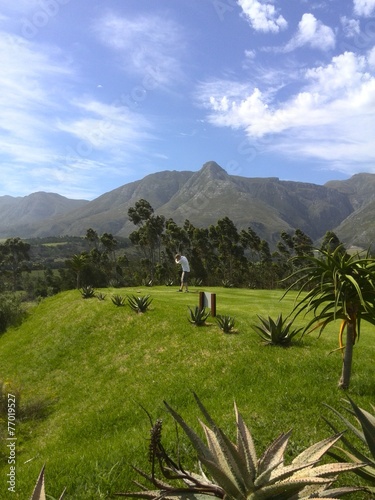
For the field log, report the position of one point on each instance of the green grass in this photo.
(84, 367)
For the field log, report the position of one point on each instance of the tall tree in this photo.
(14, 256)
(341, 286)
(226, 239)
(148, 235)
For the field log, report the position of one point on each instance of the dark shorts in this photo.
(185, 276)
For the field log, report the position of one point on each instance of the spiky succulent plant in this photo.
(226, 323)
(118, 300)
(198, 316)
(234, 472)
(39, 492)
(361, 436)
(139, 304)
(87, 292)
(276, 332)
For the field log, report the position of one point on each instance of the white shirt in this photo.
(184, 264)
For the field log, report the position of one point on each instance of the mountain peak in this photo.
(212, 169)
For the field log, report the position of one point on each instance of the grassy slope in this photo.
(84, 366)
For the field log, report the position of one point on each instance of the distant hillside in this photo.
(18, 214)
(268, 205)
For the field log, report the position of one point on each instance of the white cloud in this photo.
(331, 118)
(55, 142)
(351, 27)
(312, 32)
(262, 16)
(107, 126)
(148, 45)
(364, 7)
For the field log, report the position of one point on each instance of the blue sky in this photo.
(98, 93)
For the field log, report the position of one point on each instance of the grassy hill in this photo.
(84, 367)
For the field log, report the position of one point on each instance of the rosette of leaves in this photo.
(276, 332)
(139, 304)
(87, 292)
(198, 316)
(226, 323)
(233, 471)
(118, 300)
(360, 436)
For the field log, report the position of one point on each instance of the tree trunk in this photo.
(348, 356)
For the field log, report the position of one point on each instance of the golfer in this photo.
(181, 259)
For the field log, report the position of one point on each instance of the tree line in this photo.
(219, 255)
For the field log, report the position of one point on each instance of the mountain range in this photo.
(268, 205)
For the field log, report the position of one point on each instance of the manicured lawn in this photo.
(85, 367)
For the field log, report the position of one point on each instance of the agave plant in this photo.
(279, 332)
(234, 472)
(198, 316)
(118, 300)
(226, 323)
(87, 292)
(100, 295)
(364, 432)
(139, 304)
(39, 492)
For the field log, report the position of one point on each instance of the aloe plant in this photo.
(118, 300)
(276, 332)
(139, 304)
(364, 437)
(226, 323)
(87, 292)
(39, 492)
(100, 295)
(198, 316)
(233, 471)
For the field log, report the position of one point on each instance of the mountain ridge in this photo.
(268, 205)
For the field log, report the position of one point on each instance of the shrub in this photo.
(11, 311)
(198, 316)
(118, 300)
(139, 304)
(87, 292)
(364, 438)
(279, 332)
(226, 323)
(233, 470)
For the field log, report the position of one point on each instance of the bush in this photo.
(11, 311)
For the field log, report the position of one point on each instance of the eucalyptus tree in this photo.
(148, 236)
(14, 258)
(230, 252)
(340, 286)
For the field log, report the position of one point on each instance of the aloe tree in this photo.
(338, 286)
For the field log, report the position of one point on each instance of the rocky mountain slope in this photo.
(268, 205)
